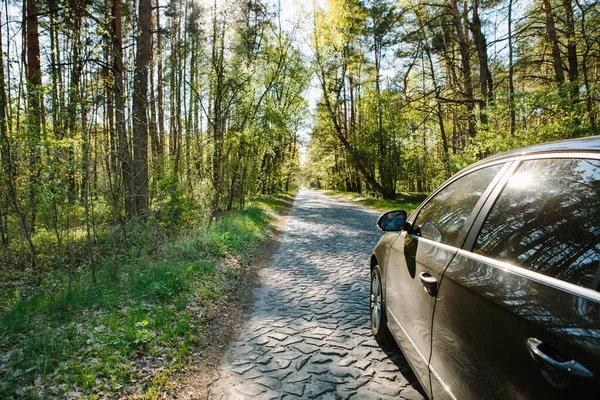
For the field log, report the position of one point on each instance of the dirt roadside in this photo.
(203, 370)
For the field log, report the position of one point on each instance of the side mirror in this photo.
(392, 221)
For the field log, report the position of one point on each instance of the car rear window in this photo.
(547, 219)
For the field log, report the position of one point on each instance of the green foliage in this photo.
(551, 115)
(91, 338)
(179, 208)
(413, 92)
(98, 339)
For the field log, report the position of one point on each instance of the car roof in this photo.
(588, 144)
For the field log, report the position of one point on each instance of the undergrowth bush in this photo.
(74, 338)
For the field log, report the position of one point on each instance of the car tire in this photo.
(377, 313)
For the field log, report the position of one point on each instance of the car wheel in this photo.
(377, 307)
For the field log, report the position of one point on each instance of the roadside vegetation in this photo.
(134, 141)
(128, 333)
(404, 201)
(413, 91)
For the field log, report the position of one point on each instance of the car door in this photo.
(418, 257)
(519, 316)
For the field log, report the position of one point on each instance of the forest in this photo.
(414, 91)
(130, 110)
(141, 141)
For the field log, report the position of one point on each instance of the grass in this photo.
(128, 336)
(404, 201)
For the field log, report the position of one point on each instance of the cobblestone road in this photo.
(309, 334)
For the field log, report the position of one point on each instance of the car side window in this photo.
(547, 219)
(444, 217)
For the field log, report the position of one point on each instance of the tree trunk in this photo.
(55, 70)
(573, 70)
(86, 192)
(486, 82)
(571, 44)
(464, 47)
(111, 136)
(140, 106)
(511, 73)
(159, 81)
(551, 31)
(124, 152)
(439, 109)
(218, 123)
(74, 97)
(584, 69)
(34, 109)
(5, 156)
(9, 170)
(485, 76)
(153, 128)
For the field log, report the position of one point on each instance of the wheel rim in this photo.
(375, 303)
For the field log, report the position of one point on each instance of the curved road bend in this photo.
(309, 334)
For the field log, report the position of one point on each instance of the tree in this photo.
(140, 107)
(34, 103)
(333, 46)
(124, 153)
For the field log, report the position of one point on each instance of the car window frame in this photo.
(471, 238)
(500, 175)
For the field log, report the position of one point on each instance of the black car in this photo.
(491, 287)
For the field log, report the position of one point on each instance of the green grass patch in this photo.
(404, 201)
(130, 334)
(274, 202)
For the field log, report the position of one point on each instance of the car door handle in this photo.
(572, 368)
(430, 284)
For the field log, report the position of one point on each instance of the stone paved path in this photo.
(309, 335)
